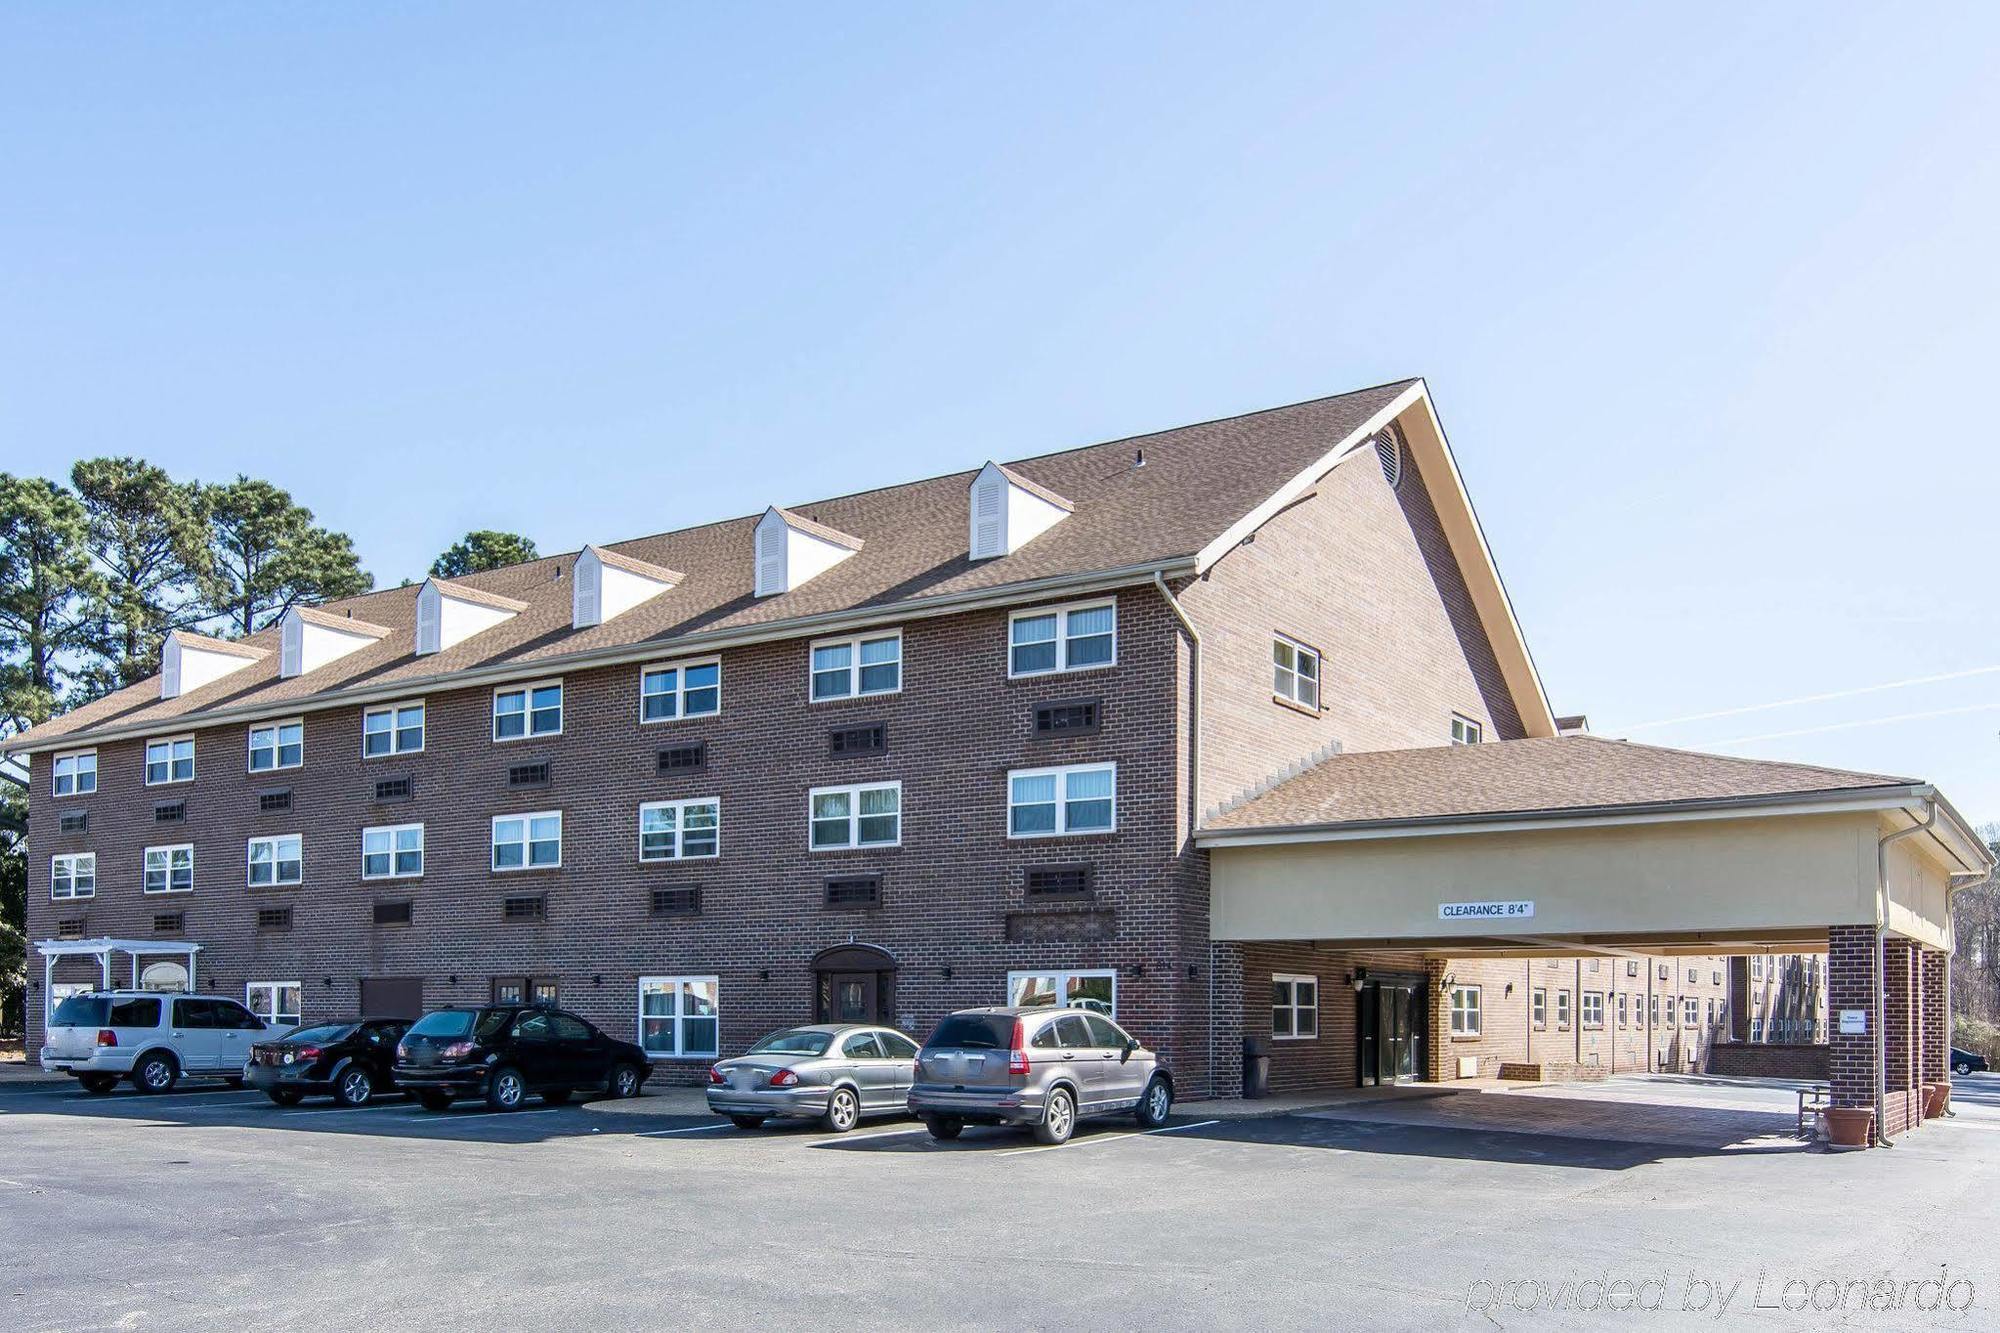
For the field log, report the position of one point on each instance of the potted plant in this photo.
(1849, 1126)
(1936, 1096)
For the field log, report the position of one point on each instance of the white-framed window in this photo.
(392, 851)
(1054, 802)
(277, 745)
(1690, 1011)
(669, 691)
(1562, 1009)
(862, 665)
(1757, 967)
(521, 711)
(392, 729)
(1624, 1008)
(1464, 731)
(1693, 973)
(1465, 1011)
(279, 1002)
(279, 860)
(1538, 1007)
(1095, 989)
(1294, 672)
(527, 842)
(1756, 1029)
(170, 869)
(1294, 1007)
(680, 830)
(1655, 1011)
(869, 815)
(170, 760)
(680, 1017)
(1593, 1009)
(74, 774)
(73, 875)
(1062, 638)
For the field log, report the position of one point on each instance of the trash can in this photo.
(1256, 1068)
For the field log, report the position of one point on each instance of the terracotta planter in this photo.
(1849, 1126)
(1936, 1095)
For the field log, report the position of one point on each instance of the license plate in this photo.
(974, 1063)
(742, 1079)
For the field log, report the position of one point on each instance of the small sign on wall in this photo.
(1853, 1022)
(1485, 911)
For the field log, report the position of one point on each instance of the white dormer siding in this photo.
(451, 613)
(1009, 511)
(606, 585)
(190, 661)
(309, 639)
(792, 550)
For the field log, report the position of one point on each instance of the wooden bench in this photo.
(1814, 1102)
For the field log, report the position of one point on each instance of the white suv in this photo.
(150, 1038)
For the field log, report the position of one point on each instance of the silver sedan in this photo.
(834, 1073)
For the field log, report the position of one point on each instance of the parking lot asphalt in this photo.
(210, 1207)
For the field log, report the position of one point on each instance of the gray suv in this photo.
(1042, 1068)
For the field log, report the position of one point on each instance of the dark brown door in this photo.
(854, 997)
(392, 997)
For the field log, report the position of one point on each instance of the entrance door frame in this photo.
(849, 961)
(1367, 1006)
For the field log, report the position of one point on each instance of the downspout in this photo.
(1881, 945)
(1194, 786)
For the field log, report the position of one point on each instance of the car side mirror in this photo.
(1131, 1045)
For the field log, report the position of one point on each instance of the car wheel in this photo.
(747, 1121)
(156, 1073)
(625, 1081)
(945, 1128)
(1058, 1118)
(355, 1088)
(432, 1100)
(284, 1096)
(97, 1084)
(843, 1111)
(506, 1089)
(1961, 1069)
(556, 1096)
(1154, 1105)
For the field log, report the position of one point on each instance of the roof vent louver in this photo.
(1389, 451)
(450, 613)
(607, 585)
(792, 550)
(309, 638)
(190, 661)
(1009, 511)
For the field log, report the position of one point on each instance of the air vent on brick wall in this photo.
(274, 918)
(684, 758)
(393, 913)
(529, 775)
(72, 927)
(525, 908)
(685, 901)
(1389, 452)
(1066, 717)
(853, 891)
(272, 802)
(75, 821)
(168, 923)
(1056, 881)
(393, 789)
(170, 812)
(846, 742)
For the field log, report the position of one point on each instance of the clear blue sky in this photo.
(1707, 299)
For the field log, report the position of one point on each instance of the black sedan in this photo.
(1967, 1062)
(351, 1060)
(505, 1052)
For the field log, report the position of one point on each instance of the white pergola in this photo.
(101, 949)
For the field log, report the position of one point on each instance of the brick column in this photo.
(1899, 1032)
(1225, 1078)
(1937, 1019)
(1850, 984)
(1437, 1044)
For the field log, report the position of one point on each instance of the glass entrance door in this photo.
(1390, 1025)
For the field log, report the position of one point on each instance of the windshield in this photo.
(81, 1011)
(797, 1041)
(980, 1032)
(320, 1032)
(443, 1023)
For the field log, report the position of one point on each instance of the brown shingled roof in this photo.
(312, 615)
(1525, 777)
(233, 647)
(634, 565)
(1033, 487)
(465, 592)
(820, 530)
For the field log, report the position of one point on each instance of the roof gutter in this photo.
(794, 627)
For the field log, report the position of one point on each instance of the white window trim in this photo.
(680, 1051)
(680, 823)
(1301, 649)
(1564, 1010)
(73, 859)
(1061, 772)
(526, 818)
(423, 851)
(1478, 1013)
(275, 883)
(1061, 613)
(854, 642)
(56, 760)
(250, 988)
(392, 709)
(1472, 728)
(1063, 976)
(1293, 979)
(527, 693)
(681, 665)
(1583, 1009)
(169, 849)
(1538, 998)
(853, 791)
(146, 763)
(250, 744)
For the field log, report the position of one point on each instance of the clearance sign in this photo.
(1485, 911)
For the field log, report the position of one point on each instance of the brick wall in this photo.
(1764, 1059)
(1850, 984)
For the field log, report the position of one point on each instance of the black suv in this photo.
(352, 1059)
(503, 1052)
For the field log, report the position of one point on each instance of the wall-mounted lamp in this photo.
(452, 980)
(1138, 969)
(1193, 971)
(764, 974)
(1445, 983)
(597, 980)
(1358, 979)
(1509, 990)
(326, 981)
(946, 969)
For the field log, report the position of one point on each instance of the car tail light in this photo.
(1017, 1059)
(715, 1074)
(784, 1078)
(457, 1050)
(106, 1037)
(309, 1052)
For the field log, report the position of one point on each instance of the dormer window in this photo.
(607, 584)
(309, 638)
(450, 613)
(792, 550)
(190, 661)
(1009, 511)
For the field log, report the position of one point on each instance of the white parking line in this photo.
(863, 1138)
(148, 1098)
(688, 1129)
(1108, 1138)
(446, 1118)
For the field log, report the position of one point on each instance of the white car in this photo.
(151, 1038)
